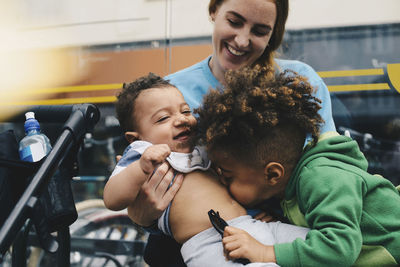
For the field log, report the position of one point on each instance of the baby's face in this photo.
(163, 117)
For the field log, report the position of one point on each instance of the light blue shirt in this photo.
(195, 81)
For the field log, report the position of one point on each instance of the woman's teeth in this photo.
(235, 52)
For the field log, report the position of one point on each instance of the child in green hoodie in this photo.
(255, 130)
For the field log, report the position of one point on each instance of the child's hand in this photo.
(240, 244)
(153, 156)
(265, 217)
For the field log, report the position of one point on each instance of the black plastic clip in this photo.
(216, 221)
(219, 225)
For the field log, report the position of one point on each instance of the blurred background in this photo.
(70, 51)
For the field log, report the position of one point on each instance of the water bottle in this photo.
(35, 145)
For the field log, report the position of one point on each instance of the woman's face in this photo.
(242, 29)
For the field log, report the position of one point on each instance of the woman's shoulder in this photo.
(194, 82)
(300, 68)
(295, 65)
(193, 70)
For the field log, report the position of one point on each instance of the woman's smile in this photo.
(234, 51)
(242, 30)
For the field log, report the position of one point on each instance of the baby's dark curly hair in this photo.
(125, 104)
(259, 116)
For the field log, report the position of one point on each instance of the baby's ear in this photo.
(273, 173)
(132, 136)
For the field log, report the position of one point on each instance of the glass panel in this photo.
(360, 65)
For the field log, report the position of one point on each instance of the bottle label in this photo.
(32, 153)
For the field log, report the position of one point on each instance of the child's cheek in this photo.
(193, 121)
(241, 193)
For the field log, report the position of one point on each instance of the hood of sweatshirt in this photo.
(331, 149)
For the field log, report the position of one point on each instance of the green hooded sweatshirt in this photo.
(354, 216)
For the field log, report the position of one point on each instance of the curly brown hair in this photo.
(125, 104)
(259, 116)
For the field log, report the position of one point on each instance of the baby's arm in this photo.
(240, 244)
(122, 189)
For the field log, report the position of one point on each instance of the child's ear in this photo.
(273, 172)
(132, 136)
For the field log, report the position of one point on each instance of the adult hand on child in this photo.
(240, 244)
(154, 195)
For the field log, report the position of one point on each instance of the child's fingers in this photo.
(156, 153)
(260, 215)
(162, 153)
(233, 238)
(232, 245)
(153, 156)
(230, 230)
(232, 242)
(265, 218)
(161, 149)
(236, 254)
(234, 250)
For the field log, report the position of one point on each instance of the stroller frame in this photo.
(80, 119)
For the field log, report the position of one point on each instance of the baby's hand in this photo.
(153, 156)
(240, 244)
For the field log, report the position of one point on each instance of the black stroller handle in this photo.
(59, 113)
(48, 113)
(79, 120)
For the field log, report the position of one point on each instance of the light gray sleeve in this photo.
(287, 233)
(262, 264)
(206, 249)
